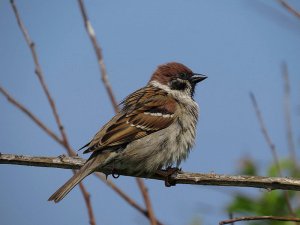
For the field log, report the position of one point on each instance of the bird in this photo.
(155, 128)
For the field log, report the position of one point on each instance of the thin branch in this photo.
(272, 147)
(290, 8)
(34, 118)
(145, 194)
(87, 199)
(65, 162)
(287, 111)
(129, 200)
(39, 73)
(56, 138)
(247, 218)
(91, 32)
(265, 133)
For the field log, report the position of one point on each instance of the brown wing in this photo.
(143, 113)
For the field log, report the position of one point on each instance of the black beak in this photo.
(196, 78)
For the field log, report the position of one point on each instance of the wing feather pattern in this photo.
(145, 111)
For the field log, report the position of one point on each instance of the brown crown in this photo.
(164, 73)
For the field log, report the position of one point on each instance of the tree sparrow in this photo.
(155, 128)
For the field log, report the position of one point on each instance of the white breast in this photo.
(168, 146)
(183, 131)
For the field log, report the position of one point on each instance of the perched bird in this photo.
(155, 129)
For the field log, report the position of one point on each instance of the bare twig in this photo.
(13, 101)
(91, 32)
(247, 218)
(290, 8)
(56, 138)
(65, 162)
(272, 147)
(287, 111)
(265, 133)
(39, 73)
(144, 192)
(87, 199)
(129, 200)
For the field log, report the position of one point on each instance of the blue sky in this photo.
(240, 45)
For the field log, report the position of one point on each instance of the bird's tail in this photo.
(88, 168)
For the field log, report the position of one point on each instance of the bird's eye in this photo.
(183, 76)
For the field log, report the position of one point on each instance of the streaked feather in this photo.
(136, 119)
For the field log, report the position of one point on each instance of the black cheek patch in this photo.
(178, 85)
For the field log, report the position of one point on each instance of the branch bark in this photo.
(250, 218)
(66, 162)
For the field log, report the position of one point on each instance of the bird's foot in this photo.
(62, 157)
(167, 174)
(114, 173)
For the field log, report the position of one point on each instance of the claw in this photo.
(114, 173)
(106, 175)
(167, 174)
(62, 157)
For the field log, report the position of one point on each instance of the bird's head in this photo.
(177, 77)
